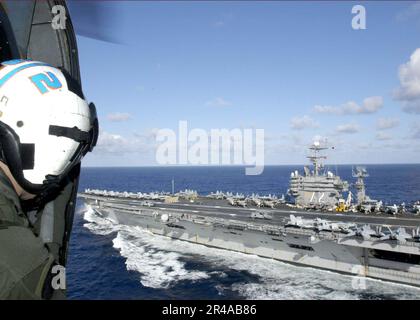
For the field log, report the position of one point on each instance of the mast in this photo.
(316, 157)
(360, 174)
(173, 186)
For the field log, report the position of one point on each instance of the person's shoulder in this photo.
(10, 208)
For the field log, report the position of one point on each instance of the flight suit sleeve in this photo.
(25, 262)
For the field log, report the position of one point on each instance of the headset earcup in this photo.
(11, 152)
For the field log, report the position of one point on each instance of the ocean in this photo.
(109, 261)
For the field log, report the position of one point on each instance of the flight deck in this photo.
(280, 214)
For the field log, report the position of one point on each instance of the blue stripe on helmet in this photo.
(10, 74)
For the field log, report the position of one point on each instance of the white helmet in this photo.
(46, 126)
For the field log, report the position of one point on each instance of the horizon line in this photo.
(247, 166)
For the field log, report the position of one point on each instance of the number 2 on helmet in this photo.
(46, 81)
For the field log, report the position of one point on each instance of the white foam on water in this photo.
(158, 269)
(160, 262)
(96, 224)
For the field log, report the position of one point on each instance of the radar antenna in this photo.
(360, 173)
(316, 157)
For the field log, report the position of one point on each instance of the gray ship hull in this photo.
(387, 260)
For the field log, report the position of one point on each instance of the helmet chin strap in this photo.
(32, 201)
(23, 194)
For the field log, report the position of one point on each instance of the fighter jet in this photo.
(241, 203)
(400, 235)
(300, 223)
(261, 215)
(147, 203)
(255, 200)
(416, 208)
(366, 232)
(391, 209)
(231, 201)
(269, 203)
(325, 225)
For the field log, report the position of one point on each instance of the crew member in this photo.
(46, 127)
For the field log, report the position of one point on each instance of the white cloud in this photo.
(387, 123)
(218, 102)
(412, 11)
(299, 123)
(347, 128)
(409, 91)
(326, 109)
(396, 145)
(363, 146)
(118, 117)
(415, 131)
(369, 105)
(109, 143)
(383, 136)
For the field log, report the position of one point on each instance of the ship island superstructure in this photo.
(318, 188)
(329, 232)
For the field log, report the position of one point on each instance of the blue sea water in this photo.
(108, 261)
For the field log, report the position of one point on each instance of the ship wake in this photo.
(158, 268)
(162, 262)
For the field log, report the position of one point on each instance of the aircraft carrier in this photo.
(317, 228)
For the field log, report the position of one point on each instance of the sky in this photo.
(298, 70)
